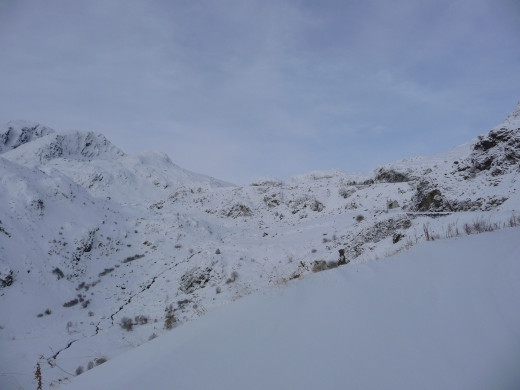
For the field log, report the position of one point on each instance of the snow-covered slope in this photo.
(100, 251)
(441, 316)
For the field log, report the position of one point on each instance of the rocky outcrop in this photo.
(15, 134)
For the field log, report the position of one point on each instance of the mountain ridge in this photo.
(121, 242)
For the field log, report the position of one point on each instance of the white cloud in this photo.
(247, 75)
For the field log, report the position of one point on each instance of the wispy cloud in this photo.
(239, 89)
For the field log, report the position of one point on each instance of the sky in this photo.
(247, 89)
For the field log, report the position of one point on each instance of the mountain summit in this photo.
(92, 161)
(17, 133)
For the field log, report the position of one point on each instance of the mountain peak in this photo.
(17, 133)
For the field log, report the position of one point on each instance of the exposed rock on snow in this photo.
(17, 133)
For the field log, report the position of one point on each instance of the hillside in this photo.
(441, 316)
(101, 251)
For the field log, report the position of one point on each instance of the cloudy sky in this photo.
(244, 89)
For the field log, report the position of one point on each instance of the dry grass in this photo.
(479, 225)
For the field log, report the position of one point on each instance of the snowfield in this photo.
(101, 252)
(444, 315)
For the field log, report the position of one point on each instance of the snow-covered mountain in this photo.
(17, 133)
(93, 162)
(101, 251)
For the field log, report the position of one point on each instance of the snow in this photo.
(513, 119)
(17, 133)
(442, 316)
(93, 162)
(140, 236)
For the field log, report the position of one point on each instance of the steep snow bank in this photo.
(441, 316)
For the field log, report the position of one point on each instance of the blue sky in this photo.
(244, 89)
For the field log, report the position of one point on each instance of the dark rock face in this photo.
(239, 210)
(492, 139)
(497, 151)
(194, 279)
(428, 198)
(54, 150)
(390, 176)
(18, 134)
(7, 279)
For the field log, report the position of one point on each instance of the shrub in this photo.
(132, 258)
(342, 259)
(169, 319)
(271, 201)
(100, 361)
(233, 277)
(480, 226)
(38, 376)
(452, 230)
(346, 192)
(58, 272)
(140, 320)
(182, 304)
(193, 279)
(397, 237)
(239, 210)
(71, 327)
(105, 272)
(127, 324)
(318, 265)
(316, 205)
(359, 218)
(392, 204)
(427, 233)
(38, 205)
(79, 370)
(267, 182)
(71, 303)
(513, 221)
